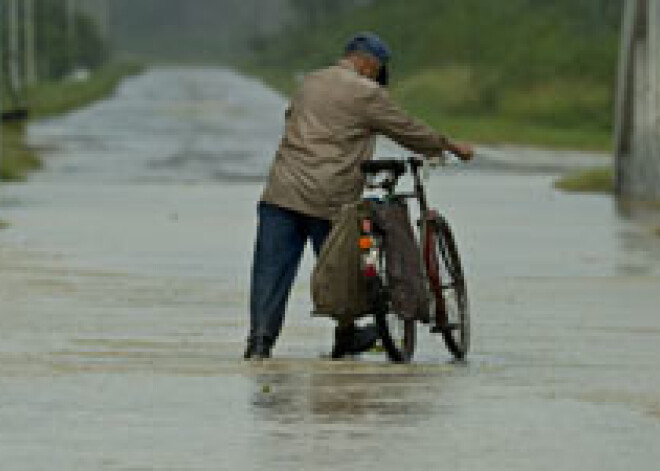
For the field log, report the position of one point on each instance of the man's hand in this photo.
(461, 150)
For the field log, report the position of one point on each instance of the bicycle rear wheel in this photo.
(398, 335)
(450, 293)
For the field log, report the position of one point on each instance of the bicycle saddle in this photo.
(397, 167)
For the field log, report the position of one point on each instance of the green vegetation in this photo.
(3, 224)
(520, 71)
(17, 159)
(49, 98)
(597, 180)
(58, 57)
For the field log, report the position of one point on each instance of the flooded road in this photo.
(123, 310)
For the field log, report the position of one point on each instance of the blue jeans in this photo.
(281, 238)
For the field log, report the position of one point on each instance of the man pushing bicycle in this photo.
(331, 127)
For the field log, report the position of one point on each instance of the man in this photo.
(331, 126)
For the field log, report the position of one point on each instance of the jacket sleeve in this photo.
(385, 117)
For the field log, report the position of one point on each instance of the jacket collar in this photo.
(346, 64)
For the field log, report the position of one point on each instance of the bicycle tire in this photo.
(398, 336)
(453, 292)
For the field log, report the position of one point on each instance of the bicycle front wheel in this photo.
(450, 291)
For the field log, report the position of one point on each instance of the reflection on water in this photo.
(648, 212)
(639, 253)
(337, 398)
(350, 393)
(348, 415)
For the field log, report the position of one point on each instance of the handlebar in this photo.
(398, 167)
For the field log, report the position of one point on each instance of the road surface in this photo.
(123, 312)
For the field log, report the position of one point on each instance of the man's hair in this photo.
(359, 53)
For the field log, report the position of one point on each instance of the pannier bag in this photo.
(403, 265)
(339, 287)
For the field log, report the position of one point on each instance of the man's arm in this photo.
(385, 117)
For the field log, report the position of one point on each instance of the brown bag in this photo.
(404, 268)
(338, 287)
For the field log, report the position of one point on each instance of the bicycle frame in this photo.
(427, 239)
(428, 246)
(445, 283)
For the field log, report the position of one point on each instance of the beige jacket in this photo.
(331, 126)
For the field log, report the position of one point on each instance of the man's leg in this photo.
(318, 230)
(279, 246)
(349, 339)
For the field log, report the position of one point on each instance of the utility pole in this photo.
(637, 131)
(104, 19)
(71, 33)
(1, 76)
(14, 72)
(29, 41)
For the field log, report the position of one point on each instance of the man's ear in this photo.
(383, 76)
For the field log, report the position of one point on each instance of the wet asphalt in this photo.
(124, 279)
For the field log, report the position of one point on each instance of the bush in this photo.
(597, 180)
(561, 103)
(547, 67)
(450, 89)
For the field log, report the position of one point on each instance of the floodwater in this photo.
(123, 309)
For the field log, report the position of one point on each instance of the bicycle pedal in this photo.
(439, 329)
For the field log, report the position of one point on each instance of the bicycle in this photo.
(445, 281)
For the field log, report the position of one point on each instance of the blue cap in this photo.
(374, 46)
(371, 44)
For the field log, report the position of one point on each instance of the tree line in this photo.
(62, 41)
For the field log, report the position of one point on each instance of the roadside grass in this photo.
(3, 224)
(49, 99)
(502, 129)
(596, 180)
(55, 98)
(17, 158)
(556, 114)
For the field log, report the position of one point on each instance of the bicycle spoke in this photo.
(455, 325)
